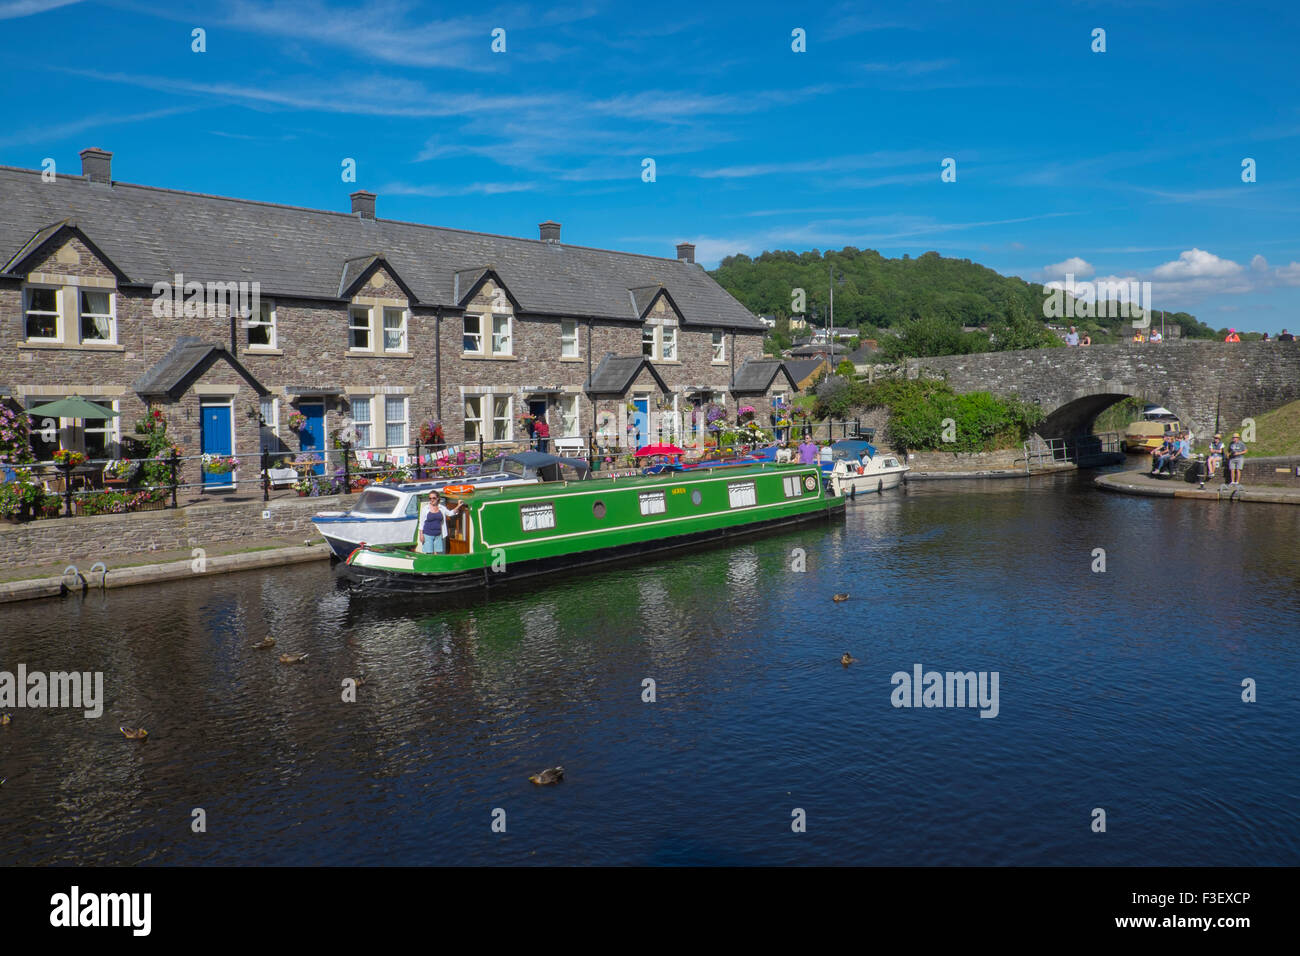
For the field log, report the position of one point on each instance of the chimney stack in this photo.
(685, 252)
(97, 165)
(550, 231)
(363, 204)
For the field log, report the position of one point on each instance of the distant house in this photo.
(798, 322)
(813, 350)
(867, 354)
(805, 373)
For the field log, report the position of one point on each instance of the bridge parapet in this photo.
(1201, 382)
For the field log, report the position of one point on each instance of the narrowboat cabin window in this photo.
(793, 486)
(652, 503)
(537, 517)
(741, 494)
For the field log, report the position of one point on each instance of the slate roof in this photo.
(800, 369)
(152, 233)
(616, 373)
(184, 363)
(756, 375)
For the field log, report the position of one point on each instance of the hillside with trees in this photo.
(913, 306)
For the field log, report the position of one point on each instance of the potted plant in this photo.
(68, 459)
(296, 421)
(431, 434)
(303, 486)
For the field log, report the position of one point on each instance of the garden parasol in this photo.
(72, 407)
(648, 450)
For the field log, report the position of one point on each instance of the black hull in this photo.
(523, 572)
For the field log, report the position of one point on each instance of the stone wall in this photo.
(1201, 382)
(1283, 471)
(136, 536)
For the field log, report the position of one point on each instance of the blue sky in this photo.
(1125, 163)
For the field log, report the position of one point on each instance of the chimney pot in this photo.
(550, 231)
(97, 165)
(363, 204)
(685, 252)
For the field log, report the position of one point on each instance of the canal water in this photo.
(1118, 689)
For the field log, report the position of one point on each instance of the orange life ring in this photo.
(458, 490)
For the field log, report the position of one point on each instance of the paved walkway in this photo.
(1141, 483)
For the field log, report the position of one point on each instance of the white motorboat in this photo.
(387, 514)
(854, 467)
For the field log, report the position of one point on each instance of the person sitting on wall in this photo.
(1160, 454)
(1214, 458)
(1181, 451)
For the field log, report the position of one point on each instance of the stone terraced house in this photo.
(130, 295)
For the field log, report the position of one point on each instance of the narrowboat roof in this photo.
(553, 488)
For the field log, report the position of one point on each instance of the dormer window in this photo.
(659, 341)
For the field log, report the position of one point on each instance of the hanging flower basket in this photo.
(219, 464)
(296, 421)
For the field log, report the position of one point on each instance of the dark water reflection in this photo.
(1118, 690)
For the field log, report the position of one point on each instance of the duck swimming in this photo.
(4, 719)
(848, 659)
(840, 597)
(292, 658)
(265, 644)
(546, 777)
(139, 734)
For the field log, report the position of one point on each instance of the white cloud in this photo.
(1259, 263)
(26, 8)
(1075, 266)
(1196, 264)
(1290, 274)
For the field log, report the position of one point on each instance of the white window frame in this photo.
(108, 426)
(404, 421)
(111, 314)
(354, 325)
(403, 315)
(569, 346)
(474, 402)
(265, 318)
(719, 343)
(508, 338)
(664, 340)
(57, 313)
(365, 426)
(653, 503)
(477, 336)
(561, 402)
(793, 486)
(653, 342)
(506, 433)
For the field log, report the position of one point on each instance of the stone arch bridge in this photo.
(1203, 383)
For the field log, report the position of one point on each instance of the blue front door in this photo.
(641, 422)
(312, 433)
(217, 440)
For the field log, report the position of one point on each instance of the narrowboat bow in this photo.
(509, 533)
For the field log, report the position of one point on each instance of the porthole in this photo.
(598, 509)
(696, 497)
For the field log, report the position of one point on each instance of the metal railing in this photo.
(1074, 448)
(121, 485)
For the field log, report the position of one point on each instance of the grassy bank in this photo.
(1276, 432)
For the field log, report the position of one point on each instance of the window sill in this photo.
(77, 347)
(359, 354)
(477, 357)
(262, 350)
(571, 358)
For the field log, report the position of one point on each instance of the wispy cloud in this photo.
(27, 8)
(47, 133)
(467, 189)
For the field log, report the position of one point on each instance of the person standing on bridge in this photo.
(1232, 336)
(1286, 336)
(1072, 337)
(1236, 455)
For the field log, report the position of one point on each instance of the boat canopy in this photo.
(852, 449)
(538, 464)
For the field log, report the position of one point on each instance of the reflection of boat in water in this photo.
(387, 514)
(509, 533)
(1144, 436)
(853, 466)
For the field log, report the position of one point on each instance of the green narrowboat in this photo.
(516, 532)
